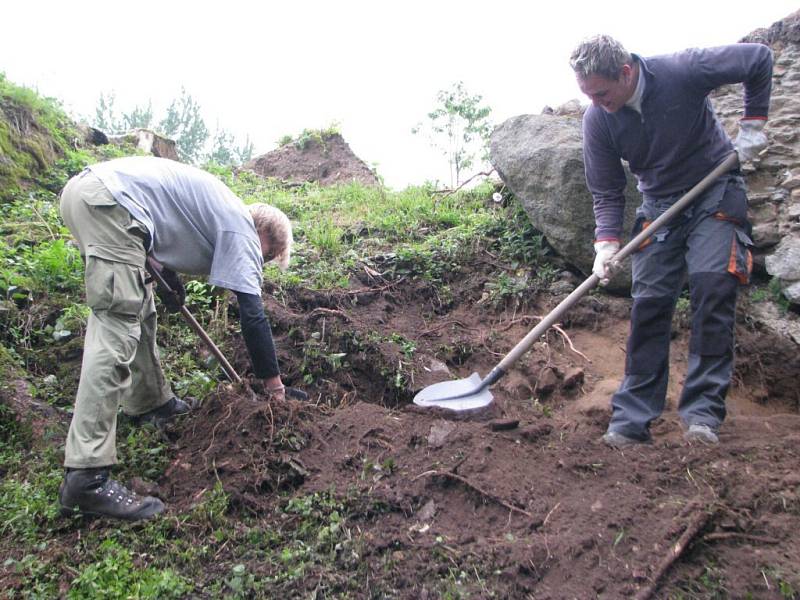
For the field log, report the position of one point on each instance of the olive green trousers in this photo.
(121, 366)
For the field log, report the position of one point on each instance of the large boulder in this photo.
(319, 157)
(540, 159)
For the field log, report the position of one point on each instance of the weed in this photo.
(508, 291)
(786, 585)
(142, 451)
(241, 583)
(619, 537)
(759, 294)
(682, 317)
(199, 293)
(28, 501)
(210, 511)
(114, 575)
(709, 585)
(545, 409)
(407, 347)
(308, 136)
(776, 293)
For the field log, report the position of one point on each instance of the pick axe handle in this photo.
(198, 329)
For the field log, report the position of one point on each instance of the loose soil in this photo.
(523, 493)
(520, 500)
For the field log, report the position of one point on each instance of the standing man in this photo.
(121, 212)
(655, 114)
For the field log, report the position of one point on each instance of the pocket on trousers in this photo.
(114, 286)
(733, 205)
(640, 225)
(99, 280)
(94, 193)
(740, 262)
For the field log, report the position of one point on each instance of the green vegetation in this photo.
(413, 235)
(114, 575)
(459, 127)
(182, 122)
(771, 292)
(309, 136)
(34, 134)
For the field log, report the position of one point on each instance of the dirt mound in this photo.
(241, 441)
(324, 159)
(524, 498)
(550, 510)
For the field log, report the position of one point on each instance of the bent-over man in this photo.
(120, 212)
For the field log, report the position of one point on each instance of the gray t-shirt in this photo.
(197, 225)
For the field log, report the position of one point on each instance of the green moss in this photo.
(34, 134)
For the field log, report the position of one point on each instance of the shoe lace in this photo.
(119, 493)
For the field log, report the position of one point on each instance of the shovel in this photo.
(198, 329)
(473, 392)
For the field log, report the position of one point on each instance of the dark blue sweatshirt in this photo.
(677, 139)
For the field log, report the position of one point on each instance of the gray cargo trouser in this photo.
(120, 360)
(710, 243)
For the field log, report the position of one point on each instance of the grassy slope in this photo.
(414, 233)
(339, 231)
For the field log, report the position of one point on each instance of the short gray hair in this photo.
(599, 55)
(278, 229)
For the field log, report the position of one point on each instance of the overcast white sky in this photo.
(266, 69)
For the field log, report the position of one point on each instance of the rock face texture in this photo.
(539, 158)
(326, 160)
(774, 180)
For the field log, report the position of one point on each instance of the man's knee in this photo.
(648, 344)
(713, 297)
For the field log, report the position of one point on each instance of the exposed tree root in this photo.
(475, 488)
(696, 524)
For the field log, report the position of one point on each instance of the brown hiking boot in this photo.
(91, 492)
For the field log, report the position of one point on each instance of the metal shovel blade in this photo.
(458, 395)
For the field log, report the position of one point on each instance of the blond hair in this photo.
(276, 226)
(599, 55)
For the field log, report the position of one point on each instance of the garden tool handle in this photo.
(555, 315)
(198, 329)
(727, 165)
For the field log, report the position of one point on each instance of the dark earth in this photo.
(523, 493)
(526, 487)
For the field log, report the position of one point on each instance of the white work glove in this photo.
(751, 139)
(604, 251)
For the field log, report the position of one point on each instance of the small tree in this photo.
(224, 150)
(459, 127)
(139, 117)
(182, 123)
(185, 125)
(105, 117)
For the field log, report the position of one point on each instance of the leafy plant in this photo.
(309, 136)
(459, 127)
(776, 292)
(114, 575)
(508, 290)
(27, 501)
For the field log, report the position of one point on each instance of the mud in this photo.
(533, 507)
